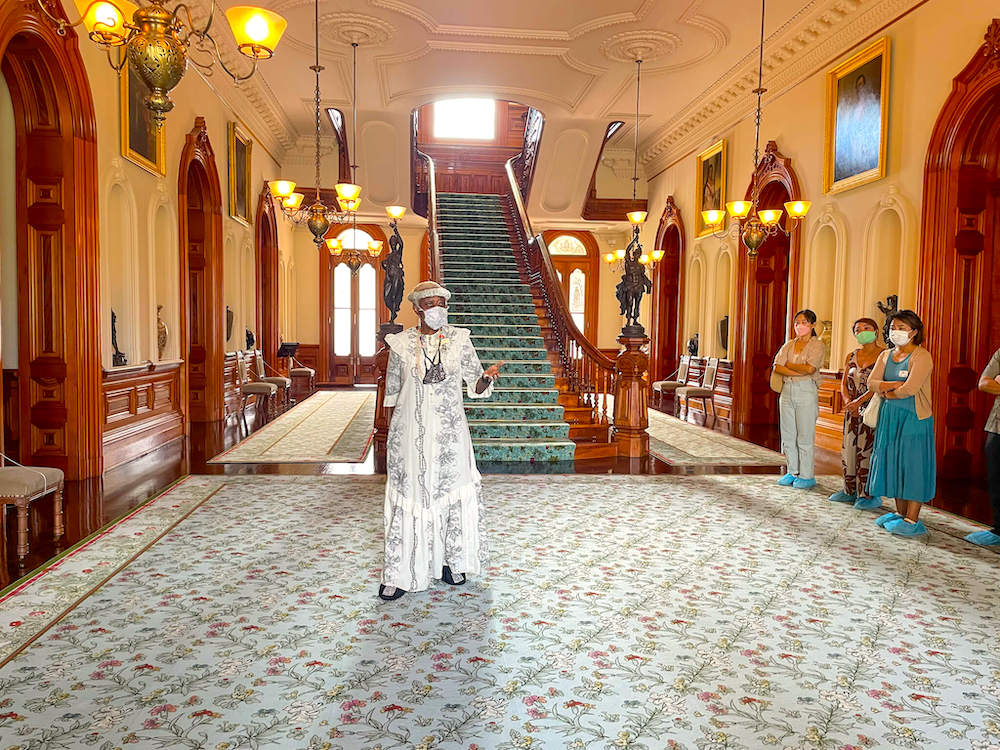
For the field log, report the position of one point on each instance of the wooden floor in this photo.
(91, 505)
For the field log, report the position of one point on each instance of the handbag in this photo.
(777, 381)
(870, 417)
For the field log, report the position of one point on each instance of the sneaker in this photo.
(804, 484)
(984, 538)
(902, 527)
(883, 520)
(842, 497)
(788, 480)
(868, 503)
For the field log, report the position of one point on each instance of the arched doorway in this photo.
(767, 294)
(56, 413)
(200, 221)
(351, 308)
(576, 258)
(267, 277)
(960, 261)
(665, 334)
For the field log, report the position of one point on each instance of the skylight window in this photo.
(466, 119)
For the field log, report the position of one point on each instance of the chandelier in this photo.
(159, 42)
(757, 223)
(318, 216)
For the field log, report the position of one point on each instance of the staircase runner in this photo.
(522, 421)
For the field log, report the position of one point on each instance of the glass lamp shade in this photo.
(281, 188)
(334, 245)
(349, 205)
(738, 209)
(644, 259)
(609, 258)
(620, 253)
(769, 216)
(636, 217)
(395, 212)
(374, 248)
(256, 30)
(657, 256)
(797, 209)
(713, 217)
(347, 191)
(292, 201)
(105, 21)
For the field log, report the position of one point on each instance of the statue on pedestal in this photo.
(887, 308)
(251, 340)
(392, 287)
(118, 359)
(630, 289)
(693, 344)
(229, 322)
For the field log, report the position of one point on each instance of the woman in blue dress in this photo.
(903, 463)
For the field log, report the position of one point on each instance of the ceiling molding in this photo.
(805, 44)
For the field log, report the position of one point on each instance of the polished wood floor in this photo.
(91, 505)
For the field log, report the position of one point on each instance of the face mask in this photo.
(802, 329)
(866, 337)
(899, 338)
(436, 317)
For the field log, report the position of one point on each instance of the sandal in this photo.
(389, 597)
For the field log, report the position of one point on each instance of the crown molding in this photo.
(810, 40)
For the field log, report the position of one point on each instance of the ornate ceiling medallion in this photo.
(646, 45)
(356, 28)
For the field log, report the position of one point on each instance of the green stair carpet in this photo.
(522, 422)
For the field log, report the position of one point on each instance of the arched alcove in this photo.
(271, 297)
(121, 271)
(248, 291)
(694, 293)
(722, 304)
(166, 290)
(819, 296)
(232, 293)
(823, 290)
(884, 254)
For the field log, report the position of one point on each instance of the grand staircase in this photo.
(523, 421)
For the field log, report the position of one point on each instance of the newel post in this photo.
(631, 398)
(381, 415)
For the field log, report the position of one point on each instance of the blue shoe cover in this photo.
(901, 527)
(842, 497)
(985, 538)
(883, 520)
(868, 503)
(787, 481)
(804, 484)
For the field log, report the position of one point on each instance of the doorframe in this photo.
(266, 273)
(661, 348)
(593, 263)
(198, 150)
(953, 268)
(60, 420)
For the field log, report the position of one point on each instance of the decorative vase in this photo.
(161, 331)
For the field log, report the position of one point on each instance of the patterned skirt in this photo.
(856, 454)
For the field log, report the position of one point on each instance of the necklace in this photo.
(434, 371)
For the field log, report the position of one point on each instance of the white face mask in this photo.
(899, 338)
(436, 317)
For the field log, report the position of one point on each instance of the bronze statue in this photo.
(392, 287)
(887, 308)
(118, 359)
(632, 287)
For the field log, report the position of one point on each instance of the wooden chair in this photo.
(662, 387)
(20, 486)
(705, 392)
(303, 380)
(284, 384)
(263, 393)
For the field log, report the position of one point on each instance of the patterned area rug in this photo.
(328, 427)
(682, 444)
(253, 622)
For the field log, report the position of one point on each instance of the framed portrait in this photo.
(711, 172)
(142, 142)
(240, 147)
(857, 119)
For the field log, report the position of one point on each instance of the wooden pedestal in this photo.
(631, 399)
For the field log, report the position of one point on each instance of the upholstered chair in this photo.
(264, 393)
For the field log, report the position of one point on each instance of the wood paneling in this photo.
(309, 355)
(231, 388)
(665, 336)
(142, 410)
(56, 207)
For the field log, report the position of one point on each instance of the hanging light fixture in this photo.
(318, 216)
(159, 43)
(757, 223)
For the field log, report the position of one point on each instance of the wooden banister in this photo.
(433, 250)
(588, 372)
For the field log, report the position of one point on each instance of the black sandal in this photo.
(389, 598)
(448, 578)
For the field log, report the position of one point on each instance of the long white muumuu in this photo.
(433, 491)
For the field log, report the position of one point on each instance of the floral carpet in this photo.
(328, 427)
(683, 444)
(701, 612)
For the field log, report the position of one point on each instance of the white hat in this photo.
(426, 289)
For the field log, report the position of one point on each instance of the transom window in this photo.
(465, 119)
(567, 244)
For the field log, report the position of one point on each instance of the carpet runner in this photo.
(681, 443)
(522, 422)
(701, 613)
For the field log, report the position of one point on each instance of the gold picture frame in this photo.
(710, 171)
(240, 159)
(857, 119)
(141, 142)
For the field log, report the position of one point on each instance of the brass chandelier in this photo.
(159, 43)
(318, 216)
(757, 223)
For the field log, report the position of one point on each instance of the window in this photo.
(466, 119)
(578, 297)
(355, 312)
(355, 239)
(342, 297)
(567, 244)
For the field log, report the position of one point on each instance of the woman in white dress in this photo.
(433, 492)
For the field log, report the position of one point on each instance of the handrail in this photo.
(433, 251)
(588, 372)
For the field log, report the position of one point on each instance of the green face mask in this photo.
(866, 337)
